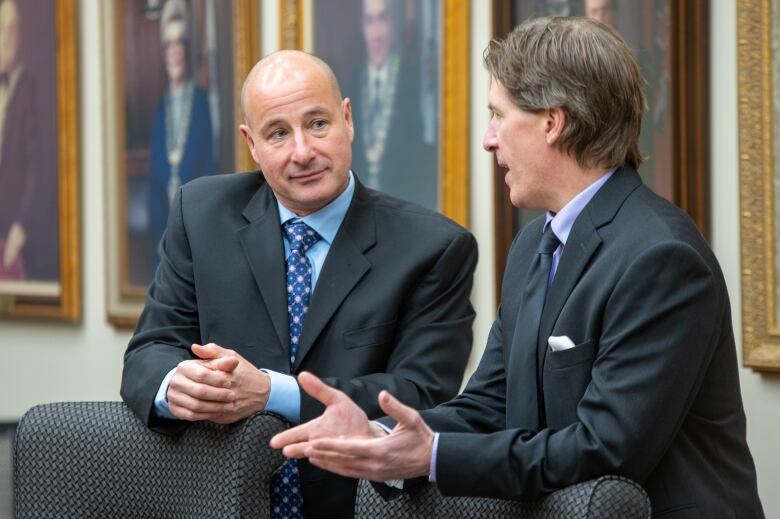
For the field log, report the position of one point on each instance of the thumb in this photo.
(318, 389)
(226, 364)
(208, 351)
(393, 407)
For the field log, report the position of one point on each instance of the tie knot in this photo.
(549, 241)
(300, 235)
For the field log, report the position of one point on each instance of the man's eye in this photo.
(278, 134)
(319, 124)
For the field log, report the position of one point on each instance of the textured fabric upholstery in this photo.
(96, 459)
(608, 497)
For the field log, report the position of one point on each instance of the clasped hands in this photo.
(342, 440)
(220, 386)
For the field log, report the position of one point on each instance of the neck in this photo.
(302, 211)
(576, 180)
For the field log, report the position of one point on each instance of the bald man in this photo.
(299, 267)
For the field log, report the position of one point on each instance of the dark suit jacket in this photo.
(650, 391)
(390, 309)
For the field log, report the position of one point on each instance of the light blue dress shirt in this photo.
(285, 396)
(562, 223)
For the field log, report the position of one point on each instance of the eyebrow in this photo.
(317, 110)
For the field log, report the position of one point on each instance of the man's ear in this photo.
(250, 142)
(346, 107)
(555, 124)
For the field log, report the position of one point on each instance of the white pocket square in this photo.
(560, 343)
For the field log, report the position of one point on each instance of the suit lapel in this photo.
(522, 356)
(582, 243)
(264, 250)
(343, 268)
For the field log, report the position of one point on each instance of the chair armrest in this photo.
(608, 497)
(96, 459)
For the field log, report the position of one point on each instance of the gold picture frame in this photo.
(758, 145)
(234, 40)
(453, 93)
(56, 294)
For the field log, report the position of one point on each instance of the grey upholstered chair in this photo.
(608, 497)
(96, 459)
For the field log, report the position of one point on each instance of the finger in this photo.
(350, 447)
(185, 408)
(195, 370)
(318, 389)
(296, 450)
(365, 459)
(209, 351)
(395, 409)
(290, 436)
(226, 364)
(185, 401)
(346, 459)
(199, 391)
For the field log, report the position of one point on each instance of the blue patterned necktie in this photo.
(286, 499)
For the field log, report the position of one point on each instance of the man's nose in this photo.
(303, 153)
(489, 140)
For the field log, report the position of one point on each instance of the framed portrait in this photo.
(173, 69)
(39, 241)
(758, 40)
(670, 42)
(404, 67)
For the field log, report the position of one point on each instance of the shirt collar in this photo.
(563, 221)
(327, 220)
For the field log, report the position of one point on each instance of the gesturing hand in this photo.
(343, 441)
(342, 417)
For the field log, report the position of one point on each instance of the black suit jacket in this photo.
(390, 309)
(650, 391)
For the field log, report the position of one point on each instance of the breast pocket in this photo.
(373, 335)
(566, 376)
(581, 353)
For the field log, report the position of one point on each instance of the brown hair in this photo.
(585, 68)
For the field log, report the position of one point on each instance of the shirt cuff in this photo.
(285, 396)
(161, 408)
(383, 427)
(434, 450)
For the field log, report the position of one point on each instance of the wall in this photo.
(761, 393)
(52, 362)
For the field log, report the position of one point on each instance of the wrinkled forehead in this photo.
(296, 96)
